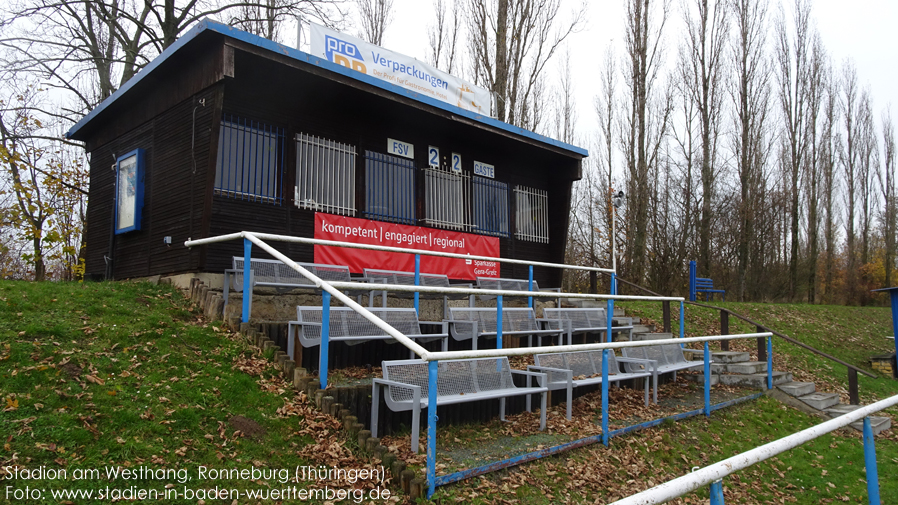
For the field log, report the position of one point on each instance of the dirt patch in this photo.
(71, 369)
(248, 427)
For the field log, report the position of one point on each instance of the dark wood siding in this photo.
(177, 145)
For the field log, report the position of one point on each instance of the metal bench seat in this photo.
(580, 321)
(276, 274)
(670, 357)
(509, 285)
(471, 323)
(347, 325)
(567, 370)
(406, 385)
(408, 279)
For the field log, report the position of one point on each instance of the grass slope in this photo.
(113, 376)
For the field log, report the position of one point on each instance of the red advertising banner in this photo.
(365, 231)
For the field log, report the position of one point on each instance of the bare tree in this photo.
(443, 37)
(750, 93)
(375, 16)
(792, 51)
(828, 151)
(701, 61)
(644, 129)
(565, 108)
(850, 159)
(510, 42)
(889, 191)
(815, 91)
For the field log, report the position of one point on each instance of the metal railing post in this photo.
(665, 316)
(717, 492)
(417, 281)
(325, 338)
(432, 427)
(605, 436)
(247, 280)
(682, 320)
(499, 322)
(769, 362)
(530, 288)
(608, 318)
(870, 464)
(613, 285)
(853, 397)
(707, 380)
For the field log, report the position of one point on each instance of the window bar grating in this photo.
(490, 207)
(531, 214)
(447, 196)
(390, 188)
(250, 154)
(325, 175)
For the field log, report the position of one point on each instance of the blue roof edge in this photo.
(214, 26)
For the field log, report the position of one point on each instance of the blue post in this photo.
(707, 380)
(417, 280)
(717, 493)
(870, 463)
(530, 288)
(893, 297)
(431, 427)
(692, 281)
(325, 338)
(499, 322)
(769, 362)
(682, 320)
(605, 397)
(613, 286)
(247, 281)
(609, 314)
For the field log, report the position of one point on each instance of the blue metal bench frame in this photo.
(702, 285)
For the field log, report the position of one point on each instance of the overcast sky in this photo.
(863, 30)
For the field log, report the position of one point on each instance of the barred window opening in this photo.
(325, 175)
(447, 196)
(250, 156)
(390, 188)
(531, 214)
(490, 204)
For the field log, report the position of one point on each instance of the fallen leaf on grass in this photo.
(95, 380)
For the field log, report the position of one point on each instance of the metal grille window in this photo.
(447, 199)
(390, 188)
(490, 207)
(325, 175)
(250, 157)
(531, 214)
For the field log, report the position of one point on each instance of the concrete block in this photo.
(840, 409)
(757, 381)
(700, 378)
(651, 336)
(877, 424)
(798, 388)
(718, 368)
(820, 401)
(640, 328)
(747, 367)
(729, 357)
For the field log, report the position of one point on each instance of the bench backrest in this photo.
(580, 363)
(276, 272)
(664, 354)
(506, 284)
(408, 278)
(453, 377)
(513, 319)
(701, 282)
(346, 322)
(579, 317)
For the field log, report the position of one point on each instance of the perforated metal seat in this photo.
(407, 386)
(470, 323)
(567, 370)
(585, 320)
(670, 357)
(408, 279)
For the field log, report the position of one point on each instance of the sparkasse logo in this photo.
(344, 53)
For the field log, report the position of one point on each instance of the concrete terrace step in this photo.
(877, 424)
(730, 357)
(798, 388)
(651, 336)
(744, 368)
(757, 381)
(641, 328)
(821, 401)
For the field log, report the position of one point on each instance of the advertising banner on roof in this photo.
(395, 68)
(365, 231)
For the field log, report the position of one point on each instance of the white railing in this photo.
(714, 473)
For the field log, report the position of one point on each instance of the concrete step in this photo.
(877, 424)
(797, 388)
(619, 312)
(651, 336)
(747, 367)
(641, 328)
(821, 401)
(729, 357)
(757, 381)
